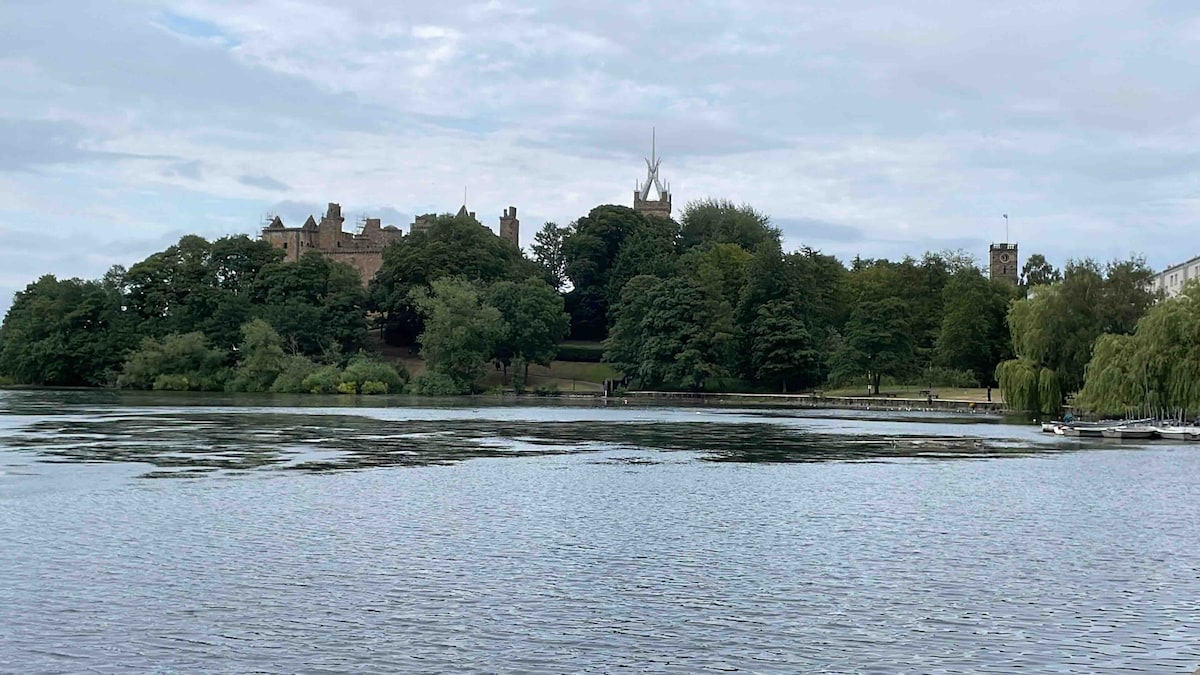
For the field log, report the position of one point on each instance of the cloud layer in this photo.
(862, 130)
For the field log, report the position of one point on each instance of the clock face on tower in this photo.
(1004, 257)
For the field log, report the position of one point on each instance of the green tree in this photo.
(170, 291)
(197, 286)
(460, 334)
(236, 261)
(548, 254)
(316, 305)
(974, 334)
(592, 251)
(1155, 368)
(1038, 272)
(877, 341)
(175, 362)
(65, 333)
(719, 268)
(533, 322)
(782, 350)
(367, 375)
(649, 250)
(670, 332)
(1054, 331)
(452, 246)
(719, 221)
(261, 358)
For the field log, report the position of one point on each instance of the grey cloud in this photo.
(294, 213)
(263, 183)
(390, 216)
(816, 230)
(25, 144)
(118, 51)
(190, 170)
(930, 114)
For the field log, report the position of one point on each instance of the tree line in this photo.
(1064, 325)
(711, 301)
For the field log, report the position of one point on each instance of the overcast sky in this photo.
(858, 129)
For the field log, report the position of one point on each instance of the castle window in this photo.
(285, 244)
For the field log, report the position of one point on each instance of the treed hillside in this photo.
(712, 301)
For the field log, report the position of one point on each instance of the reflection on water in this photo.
(189, 440)
(325, 536)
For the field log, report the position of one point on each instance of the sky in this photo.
(861, 128)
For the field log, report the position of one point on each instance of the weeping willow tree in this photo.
(1112, 386)
(1028, 385)
(1028, 382)
(1055, 329)
(1157, 368)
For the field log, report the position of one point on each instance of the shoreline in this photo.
(821, 401)
(812, 401)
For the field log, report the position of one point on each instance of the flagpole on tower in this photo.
(1006, 228)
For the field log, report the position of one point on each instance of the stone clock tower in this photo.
(1002, 262)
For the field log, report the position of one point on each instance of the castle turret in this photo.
(510, 227)
(329, 231)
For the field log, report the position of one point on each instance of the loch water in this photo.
(182, 533)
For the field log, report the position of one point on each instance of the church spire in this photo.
(641, 196)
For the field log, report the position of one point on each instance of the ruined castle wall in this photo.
(367, 262)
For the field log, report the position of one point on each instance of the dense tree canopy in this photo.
(876, 341)
(670, 332)
(1155, 369)
(719, 221)
(533, 321)
(460, 335)
(1038, 272)
(315, 304)
(452, 246)
(548, 254)
(974, 334)
(598, 263)
(67, 332)
(713, 301)
(1054, 331)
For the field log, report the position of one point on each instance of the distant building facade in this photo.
(1003, 263)
(362, 250)
(1171, 280)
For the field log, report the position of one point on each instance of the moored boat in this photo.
(1083, 430)
(1174, 433)
(1129, 433)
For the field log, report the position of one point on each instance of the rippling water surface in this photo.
(188, 534)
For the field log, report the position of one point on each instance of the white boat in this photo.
(1083, 430)
(1050, 427)
(1129, 433)
(1173, 433)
